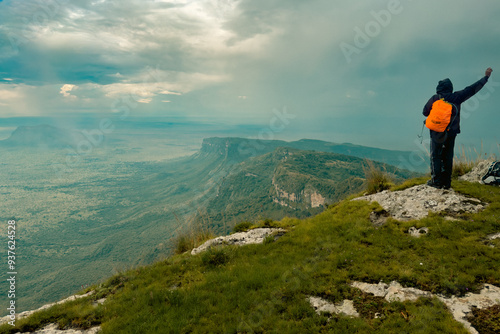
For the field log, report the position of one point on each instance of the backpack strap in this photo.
(454, 117)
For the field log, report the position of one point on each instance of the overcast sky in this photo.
(357, 71)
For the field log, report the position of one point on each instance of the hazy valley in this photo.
(85, 216)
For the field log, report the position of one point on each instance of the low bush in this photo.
(215, 256)
(377, 180)
(242, 227)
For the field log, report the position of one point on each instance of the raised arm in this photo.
(470, 91)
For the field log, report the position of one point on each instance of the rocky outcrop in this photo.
(391, 292)
(416, 202)
(460, 307)
(477, 172)
(255, 236)
(44, 307)
(317, 199)
(54, 328)
(309, 196)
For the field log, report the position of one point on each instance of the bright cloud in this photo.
(215, 57)
(66, 89)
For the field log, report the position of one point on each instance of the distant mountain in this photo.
(239, 149)
(42, 136)
(287, 182)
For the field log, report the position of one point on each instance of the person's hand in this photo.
(488, 72)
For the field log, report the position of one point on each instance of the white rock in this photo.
(416, 202)
(396, 292)
(99, 302)
(459, 307)
(379, 290)
(346, 307)
(28, 313)
(494, 236)
(53, 329)
(255, 236)
(391, 292)
(417, 233)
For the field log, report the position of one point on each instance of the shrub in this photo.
(242, 227)
(462, 166)
(269, 223)
(376, 179)
(215, 256)
(183, 244)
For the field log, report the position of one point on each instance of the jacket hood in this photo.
(444, 86)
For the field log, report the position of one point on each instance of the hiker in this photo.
(442, 142)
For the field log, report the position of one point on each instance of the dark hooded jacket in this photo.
(445, 90)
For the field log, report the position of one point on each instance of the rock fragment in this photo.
(345, 307)
(417, 233)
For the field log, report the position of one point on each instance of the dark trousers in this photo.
(442, 145)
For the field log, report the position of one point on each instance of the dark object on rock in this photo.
(492, 176)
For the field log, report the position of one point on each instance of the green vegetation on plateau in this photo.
(280, 184)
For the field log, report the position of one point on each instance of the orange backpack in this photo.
(440, 116)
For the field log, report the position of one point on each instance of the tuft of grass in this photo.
(190, 238)
(467, 160)
(242, 227)
(377, 180)
(268, 240)
(216, 256)
(268, 223)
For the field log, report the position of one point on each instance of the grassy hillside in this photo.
(264, 288)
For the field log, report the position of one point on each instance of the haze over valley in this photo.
(89, 205)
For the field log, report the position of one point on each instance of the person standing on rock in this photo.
(442, 143)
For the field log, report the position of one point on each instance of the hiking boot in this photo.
(447, 187)
(433, 185)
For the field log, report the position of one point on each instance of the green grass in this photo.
(487, 321)
(263, 288)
